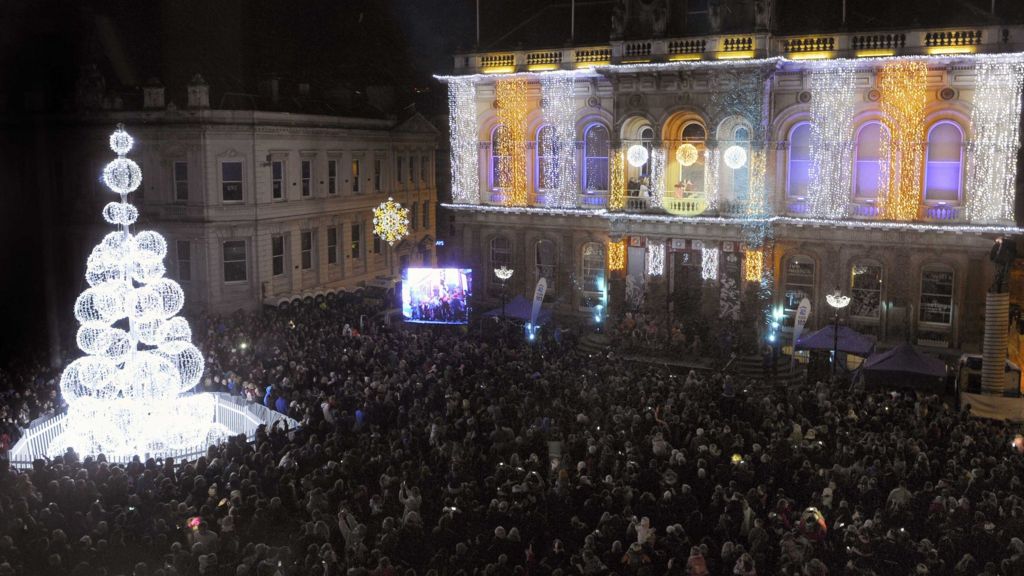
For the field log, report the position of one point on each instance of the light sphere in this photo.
(735, 157)
(686, 154)
(122, 175)
(118, 213)
(637, 155)
(121, 142)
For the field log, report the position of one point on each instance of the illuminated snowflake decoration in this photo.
(391, 221)
(686, 154)
(126, 395)
(637, 155)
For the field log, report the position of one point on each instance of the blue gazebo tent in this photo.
(905, 366)
(850, 341)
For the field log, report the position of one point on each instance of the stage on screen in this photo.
(436, 295)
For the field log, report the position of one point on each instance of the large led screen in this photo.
(436, 295)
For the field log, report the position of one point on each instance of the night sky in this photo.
(337, 46)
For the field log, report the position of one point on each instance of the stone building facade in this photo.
(751, 169)
(260, 207)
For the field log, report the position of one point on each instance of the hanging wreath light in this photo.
(735, 157)
(637, 155)
(391, 221)
(686, 154)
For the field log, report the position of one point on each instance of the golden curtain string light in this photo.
(617, 195)
(617, 255)
(902, 85)
(753, 264)
(511, 96)
(758, 198)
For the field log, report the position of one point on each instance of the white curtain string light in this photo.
(657, 177)
(992, 151)
(655, 257)
(709, 263)
(558, 95)
(464, 155)
(833, 90)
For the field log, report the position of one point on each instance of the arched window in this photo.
(943, 175)
(593, 267)
(647, 141)
(799, 281)
(547, 168)
(595, 154)
(799, 173)
(866, 290)
(691, 178)
(546, 259)
(740, 177)
(870, 162)
(497, 160)
(937, 295)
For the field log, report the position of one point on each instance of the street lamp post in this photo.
(837, 301)
(503, 274)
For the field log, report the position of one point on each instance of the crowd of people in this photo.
(440, 450)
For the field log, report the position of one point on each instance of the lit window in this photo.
(497, 160)
(332, 245)
(943, 174)
(181, 181)
(866, 290)
(234, 261)
(799, 282)
(799, 174)
(547, 167)
(869, 167)
(357, 241)
(937, 296)
(595, 166)
(501, 255)
(691, 178)
(231, 181)
(277, 255)
(647, 141)
(277, 179)
(593, 267)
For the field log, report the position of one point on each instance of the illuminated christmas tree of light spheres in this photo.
(125, 396)
(391, 221)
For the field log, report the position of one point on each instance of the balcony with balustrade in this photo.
(921, 41)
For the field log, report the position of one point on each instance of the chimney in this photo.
(270, 88)
(153, 94)
(198, 92)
